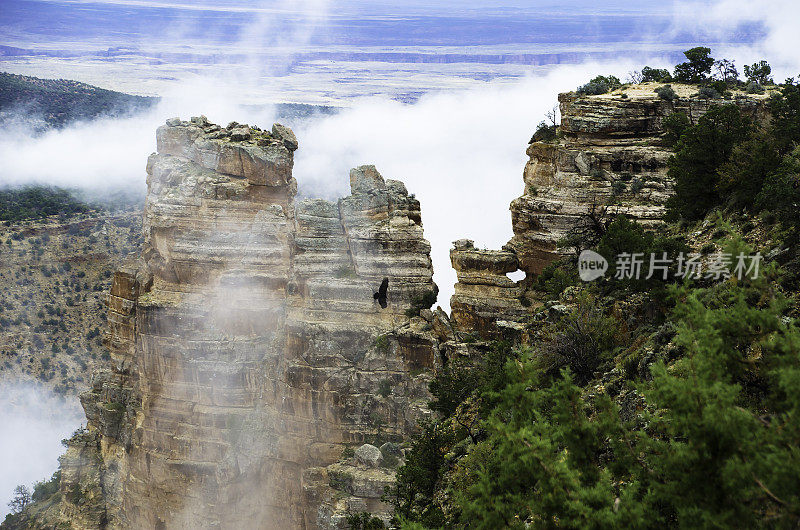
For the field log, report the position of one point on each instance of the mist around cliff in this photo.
(461, 153)
(33, 420)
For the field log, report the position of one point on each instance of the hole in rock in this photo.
(516, 276)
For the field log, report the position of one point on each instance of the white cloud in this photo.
(34, 421)
(462, 153)
(722, 19)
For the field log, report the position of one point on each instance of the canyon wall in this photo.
(609, 158)
(254, 340)
(259, 340)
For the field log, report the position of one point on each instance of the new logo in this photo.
(591, 265)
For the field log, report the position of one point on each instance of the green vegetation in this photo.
(700, 152)
(666, 92)
(382, 343)
(544, 133)
(708, 92)
(726, 160)
(59, 102)
(600, 85)
(675, 418)
(555, 278)
(655, 75)
(45, 489)
(651, 403)
(384, 387)
(758, 73)
(364, 521)
(697, 67)
(715, 77)
(36, 202)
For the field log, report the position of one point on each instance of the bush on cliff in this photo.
(670, 406)
(696, 456)
(707, 439)
(759, 73)
(726, 160)
(364, 521)
(780, 194)
(666, 93)
(599, 85)
(708, 92)
(656, 75)
(581, 340)
(544, 133)
(674, 126)
(625, 237)
(700, 152)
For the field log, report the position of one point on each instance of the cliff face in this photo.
(258, 339)
(610, 153)
(609, 158)
(252, 342)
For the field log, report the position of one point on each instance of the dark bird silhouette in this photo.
(380, 296)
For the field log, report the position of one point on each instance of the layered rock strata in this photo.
(250, 346)
(610, 154)
(609, 159)
(259, 339)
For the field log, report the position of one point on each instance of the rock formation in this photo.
(249, 349)
(258, 341)
(609, 156)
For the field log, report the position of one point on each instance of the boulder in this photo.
(391, 449)
(286, 135)
(365, 179)
(240, 134)
(369, 455)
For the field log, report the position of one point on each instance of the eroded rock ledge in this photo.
(252, 344)
(609, 153)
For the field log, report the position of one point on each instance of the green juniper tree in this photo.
(697, 67)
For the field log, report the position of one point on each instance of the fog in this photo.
(718, 19)
(461, 152)
(33, 421)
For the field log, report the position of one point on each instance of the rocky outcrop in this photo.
(608, 159)
(255, 341)
(259, 340)
(484, 294)
(609, 155)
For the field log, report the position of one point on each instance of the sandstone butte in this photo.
(250, 352)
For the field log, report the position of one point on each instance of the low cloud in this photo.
(462, 153)
(34, 420)
(720, 20)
